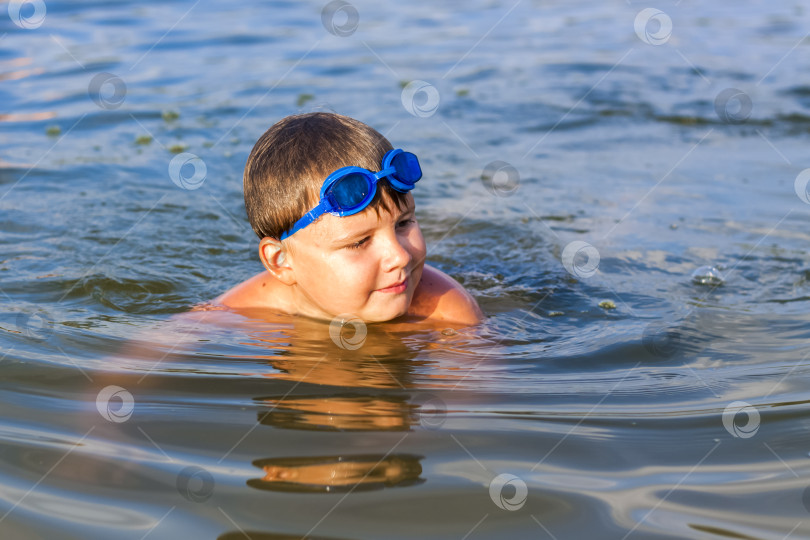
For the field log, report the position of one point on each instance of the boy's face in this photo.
(357, 264)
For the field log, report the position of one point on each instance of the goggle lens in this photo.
(350, 191)
(407, 167)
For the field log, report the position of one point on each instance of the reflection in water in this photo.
(384, 361)
(308, 353)
(330, 474)
(344, 412)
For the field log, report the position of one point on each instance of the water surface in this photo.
(636, 400)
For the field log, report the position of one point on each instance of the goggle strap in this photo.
(389, 174)
(388, 171)
(321, 208)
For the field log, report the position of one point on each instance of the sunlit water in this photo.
(658, 394)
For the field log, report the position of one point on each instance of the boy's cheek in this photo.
(352, 274)
(418, 243)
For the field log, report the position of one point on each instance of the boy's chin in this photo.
(390, 311)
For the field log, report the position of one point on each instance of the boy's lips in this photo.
(396, 287)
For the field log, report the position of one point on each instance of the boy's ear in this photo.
(276, 258)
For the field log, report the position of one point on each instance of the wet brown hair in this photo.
(288, 164)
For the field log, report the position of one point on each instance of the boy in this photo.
(336, 236)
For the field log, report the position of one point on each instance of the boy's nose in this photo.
(396, 255)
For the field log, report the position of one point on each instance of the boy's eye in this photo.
(359, 244)
(405, 222)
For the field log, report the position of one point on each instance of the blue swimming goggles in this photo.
(349, 190)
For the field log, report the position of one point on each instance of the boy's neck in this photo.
(298, 302)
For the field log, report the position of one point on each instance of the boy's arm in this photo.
(441, 297)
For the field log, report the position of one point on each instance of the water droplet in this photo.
(708, 275)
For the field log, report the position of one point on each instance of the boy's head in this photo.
(337, 264)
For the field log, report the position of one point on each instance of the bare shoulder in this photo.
(259, 290)
(438, 296)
